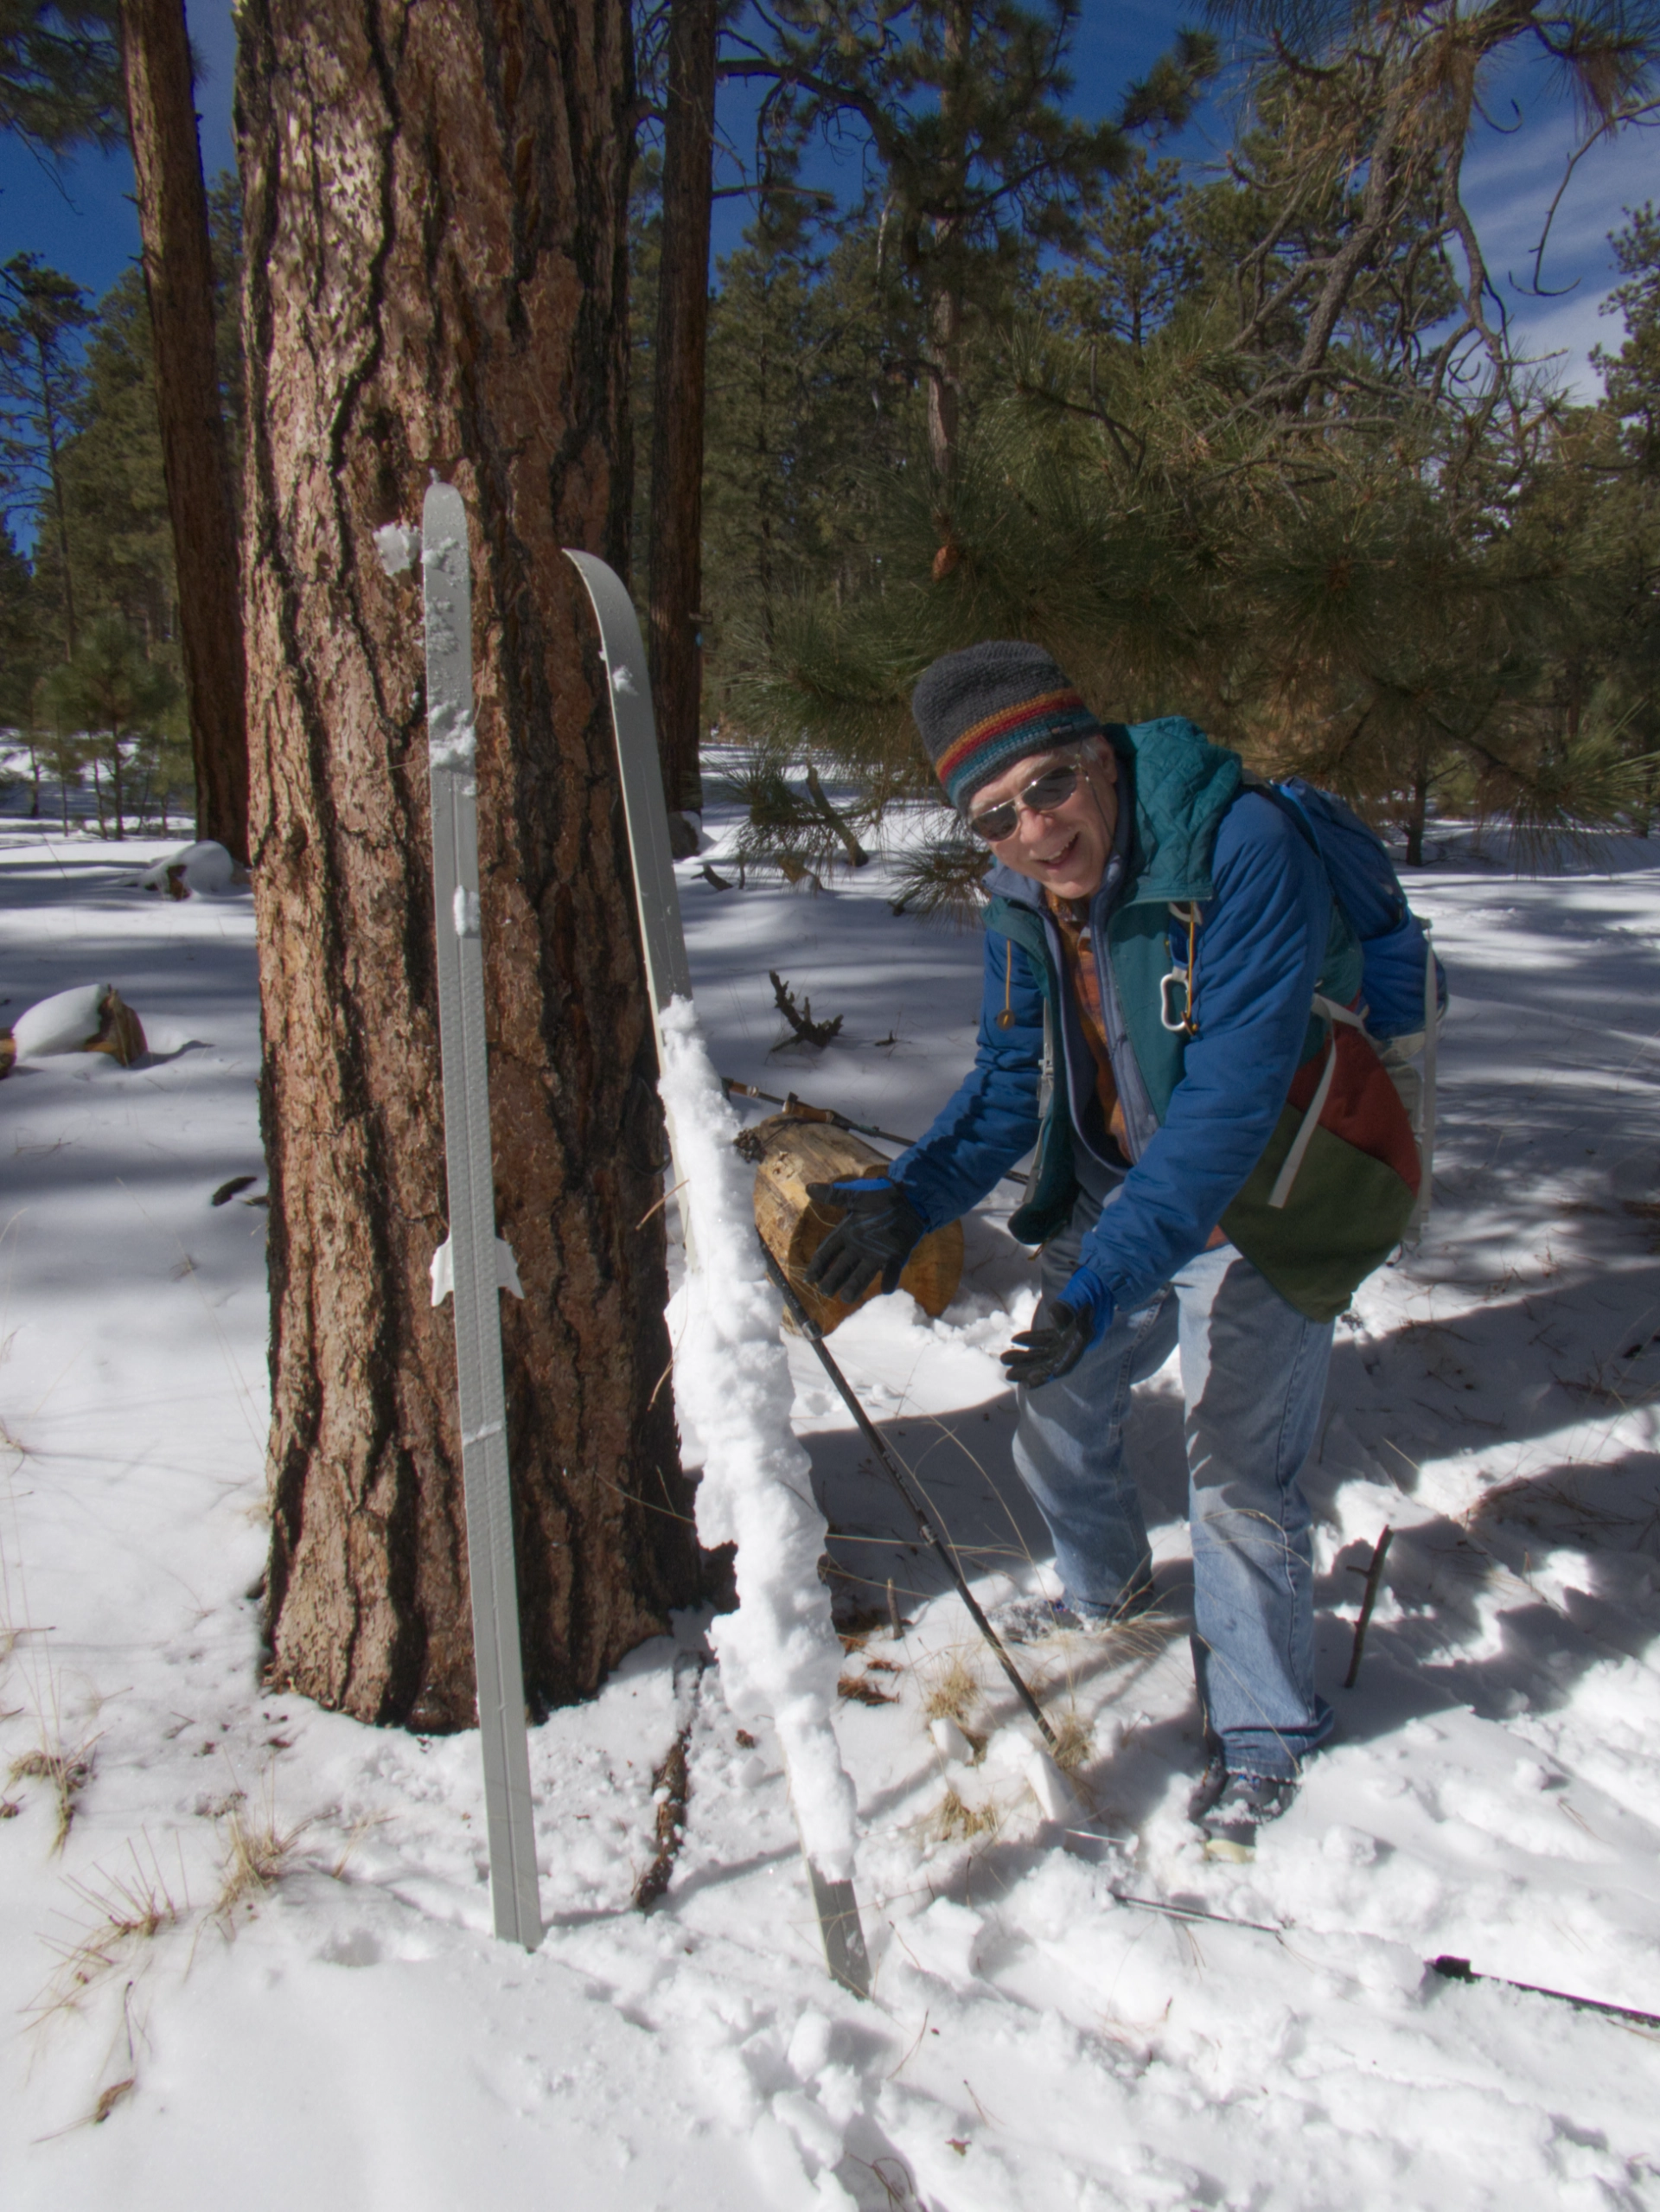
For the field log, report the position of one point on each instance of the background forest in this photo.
(1244, 437)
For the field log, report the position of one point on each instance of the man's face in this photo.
(1066, 849)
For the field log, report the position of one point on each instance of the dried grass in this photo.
(1074, 1739)
(68, 1773)
(257, 1856)
(953, 1821)
(862, 1691)
(952, 1694)
(128, 1908)
(117, 2094)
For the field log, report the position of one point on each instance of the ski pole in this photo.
(803, 1112)
(1452, 1970)
(903, 1483)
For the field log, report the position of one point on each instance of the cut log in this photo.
(789, 1154)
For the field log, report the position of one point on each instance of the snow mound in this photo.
(193, 869)
(779, 1655)
(69, 1021)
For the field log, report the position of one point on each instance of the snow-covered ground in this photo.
(258, 1971)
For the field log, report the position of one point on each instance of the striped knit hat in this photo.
(982, 709)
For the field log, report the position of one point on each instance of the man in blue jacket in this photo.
(1156, 936)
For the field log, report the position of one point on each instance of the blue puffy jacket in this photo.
(1200, 1111)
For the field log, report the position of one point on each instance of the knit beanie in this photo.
(983, 708)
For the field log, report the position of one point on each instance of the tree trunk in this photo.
(944, 381)
(1418, 814)
(54, 472)
(195, 457)
(435, 271)
(945, 288)
(678, 401)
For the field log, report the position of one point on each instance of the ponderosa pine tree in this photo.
(675, 617)
(963, 105)
(60, 73)
(178, 268)
(120, 531)
(1135, 260)
(42, 314)
(119, 699)
(436, 208)
(1292, 513)
(1630, 372)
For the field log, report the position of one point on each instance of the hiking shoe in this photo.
(1229, 1809)
(1029, 1619)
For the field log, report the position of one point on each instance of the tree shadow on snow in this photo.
(1474, 1628)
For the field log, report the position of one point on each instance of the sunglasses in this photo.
(1051, 789)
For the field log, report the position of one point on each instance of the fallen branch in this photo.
(800, 1018)
(671, 1781)
(1373, 1581)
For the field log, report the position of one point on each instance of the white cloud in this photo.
(1509, 180)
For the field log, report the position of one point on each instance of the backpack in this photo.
(1403, 985)
(1393, 943)
(1403, 991)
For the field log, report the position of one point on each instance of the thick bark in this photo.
(195, 457)
(436, 228)
(678, 400)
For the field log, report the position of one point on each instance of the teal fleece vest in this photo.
(1183, 785)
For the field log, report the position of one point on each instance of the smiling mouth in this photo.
(1055, 860)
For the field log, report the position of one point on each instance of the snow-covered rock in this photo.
(192, 871)
(90, 1018)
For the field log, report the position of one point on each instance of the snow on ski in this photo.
(779, 1653)
(471, 1261)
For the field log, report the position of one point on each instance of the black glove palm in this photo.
(1079, 1317)
(1039, 1355)
(879, 1231)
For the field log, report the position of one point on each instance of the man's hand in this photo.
(879, 1231)
(1079, 1318)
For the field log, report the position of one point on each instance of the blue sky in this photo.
(81, 218)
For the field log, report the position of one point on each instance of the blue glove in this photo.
(879, 1231)
(1080, 1317)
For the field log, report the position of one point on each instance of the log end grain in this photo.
(792, 1154)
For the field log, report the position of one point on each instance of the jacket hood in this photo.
(1183, 785)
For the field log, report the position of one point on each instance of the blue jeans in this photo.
(1252, 1377)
